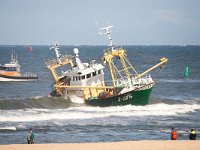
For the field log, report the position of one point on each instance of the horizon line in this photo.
(101, 45)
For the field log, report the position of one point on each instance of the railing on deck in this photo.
(53, 62)
(125, 82)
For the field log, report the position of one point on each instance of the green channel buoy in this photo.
(186, 72)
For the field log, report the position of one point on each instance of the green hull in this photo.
(139, 97)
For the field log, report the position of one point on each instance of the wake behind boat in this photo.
(11, 72)
(86, 80)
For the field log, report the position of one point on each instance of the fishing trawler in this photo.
(11, 72)
(86, 81)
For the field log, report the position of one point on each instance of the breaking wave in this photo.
(84, 112)
(13, 128)
(35, 102)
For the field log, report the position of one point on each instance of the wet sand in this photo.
(128, 145)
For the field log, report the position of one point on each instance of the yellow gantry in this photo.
(108, 58)
(52, 65)
(163, 61)
(126, 65)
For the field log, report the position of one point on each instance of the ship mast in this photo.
(14, 58)
(107, 31)
(118, 53)
(58, 62)
(58, 55)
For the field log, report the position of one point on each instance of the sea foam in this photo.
(30, 115)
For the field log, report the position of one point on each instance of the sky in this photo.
(71, 22)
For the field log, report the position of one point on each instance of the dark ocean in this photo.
(174, 102)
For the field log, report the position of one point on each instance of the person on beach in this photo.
(30, 137)
(173, 134)
(192, 134)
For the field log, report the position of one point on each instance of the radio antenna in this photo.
(106, 31)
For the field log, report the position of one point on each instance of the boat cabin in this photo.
(92, 75)
(77, 77)
(12, 69)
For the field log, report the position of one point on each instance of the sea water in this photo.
(174, 102)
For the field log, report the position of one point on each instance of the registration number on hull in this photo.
(125, 97)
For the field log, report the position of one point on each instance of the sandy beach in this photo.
(129, 145)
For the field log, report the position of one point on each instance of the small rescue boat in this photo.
(11, 72)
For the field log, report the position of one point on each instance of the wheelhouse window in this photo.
(76, 78)
(99, 71)
(88, 75)
(94, 73)
(83, 77)
(14, 69)
(9, 68)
